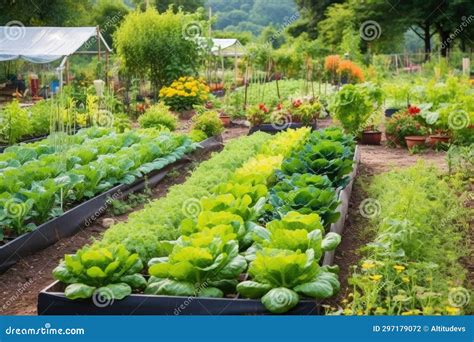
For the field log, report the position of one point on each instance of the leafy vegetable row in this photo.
(224, 240)
(41, 189)
(402, 272)
(16, 155)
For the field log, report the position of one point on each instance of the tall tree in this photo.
(46, 12)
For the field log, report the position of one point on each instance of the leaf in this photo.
(136, 281)
(95, 272)
(331, 241)
(234, 268)
(116, 291)
(317, 289)
(78, 291)
(171, 288)
(280, 300)
(253, 289)
(211, 292)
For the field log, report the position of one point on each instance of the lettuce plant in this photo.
(202, 264)
(111, 271)
(280, 276)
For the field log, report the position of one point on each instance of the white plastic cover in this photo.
(42, 44)
(227, 47)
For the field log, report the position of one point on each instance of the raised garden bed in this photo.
(74, 219)
(51, 300)
(272, 129)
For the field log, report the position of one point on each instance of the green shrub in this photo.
(40, 115)
(209, 123)
(14, 123)
(158, 116)
(197, 135)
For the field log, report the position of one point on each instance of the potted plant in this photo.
(305, 111)
(352, 106)
(258, 114)
(397, 98)
(371, 135)
(440, 130)
(408, 127)
(225, 119)
(185, 93)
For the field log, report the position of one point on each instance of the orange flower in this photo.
(332, 63)
(351, 69)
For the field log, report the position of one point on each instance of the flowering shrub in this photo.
(351, 71)
(185, 93)
(305, 111)
(258, 114)
(406, 123)
(331, 63)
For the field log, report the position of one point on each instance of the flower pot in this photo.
(186, 114)
(225, 119)
(371, 137)
(415, 140)
(438, 138)
(390, 111)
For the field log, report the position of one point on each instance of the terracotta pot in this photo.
(225, 119)
(371, 137)
(437, 138)
(415, 140)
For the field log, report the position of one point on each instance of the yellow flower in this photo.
(452, 310)
(399, 268)
(375, 277)
(406, 279)
(407, 313)
(347, 312)
(367, 265)
(193, 93)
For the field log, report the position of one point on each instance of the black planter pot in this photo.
(390, 111)
(274, 129)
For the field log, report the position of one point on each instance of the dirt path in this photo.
(19, 285)
(374, 160)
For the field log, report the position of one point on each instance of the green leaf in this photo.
(211, 292)
(96, 272)
(234, 268)
(318, 289)
(253, 289)
(331, 241)
(171, 288)
(115, 291)
(136, 281)
(78, 291)
(280, 300)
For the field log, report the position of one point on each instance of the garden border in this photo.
(52, 301)
(271, 129)
(72, 221)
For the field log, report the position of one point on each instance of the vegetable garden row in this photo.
(258, 230)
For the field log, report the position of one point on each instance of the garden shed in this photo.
(41, 45)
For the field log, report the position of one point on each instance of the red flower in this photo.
(262, 107)
(279, 106)
(413, 110)
(297, 103)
